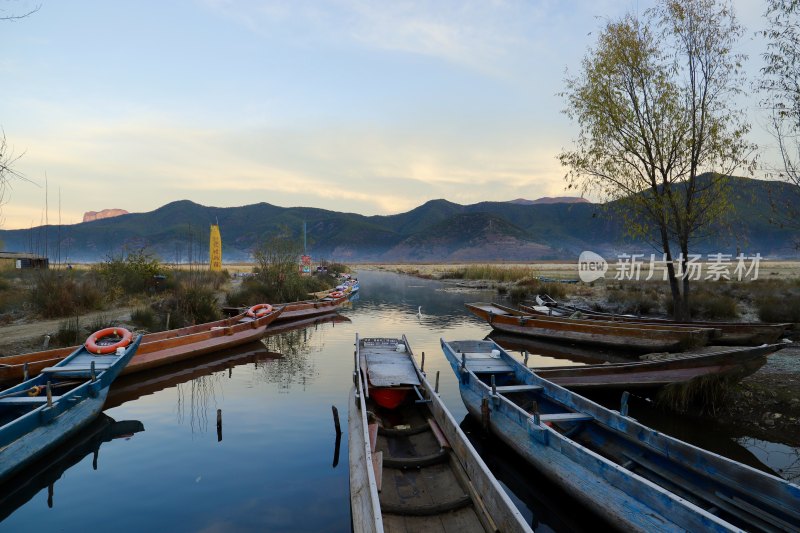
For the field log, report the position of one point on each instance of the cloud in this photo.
(143, 162)
(477, 34)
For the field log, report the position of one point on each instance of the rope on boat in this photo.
(37, 389)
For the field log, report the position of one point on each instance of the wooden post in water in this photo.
(219, 425)
(422, 366)
(167, 324)
(50, 496)
(436, 388)
(25, 372)
(336, 420)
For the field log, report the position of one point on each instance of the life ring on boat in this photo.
(125, 340)
(259, 310)
(336, 294)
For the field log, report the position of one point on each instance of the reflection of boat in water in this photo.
(556, 350)
(331, 317)
(19, 489)
(144, 383)
(129, 388)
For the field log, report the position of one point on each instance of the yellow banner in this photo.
(215, 249)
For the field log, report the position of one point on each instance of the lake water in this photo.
(162, 463)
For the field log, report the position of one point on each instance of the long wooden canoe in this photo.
(639, 479)
(728, 363)
(725, 364)
(623, 337)
(731, 333)
(411, 467)
(302, 310)
(40, 413)
(161, 348)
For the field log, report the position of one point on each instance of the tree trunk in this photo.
(677, 303)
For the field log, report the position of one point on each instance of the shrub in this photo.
(779, 308)
(144, 318)
(63, 293)
(705, 303)
(69, 334)
(133, 274)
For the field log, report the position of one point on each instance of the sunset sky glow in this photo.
(349, 105)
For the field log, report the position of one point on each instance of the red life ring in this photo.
(259, 310)
(125, 340)
(336, 294)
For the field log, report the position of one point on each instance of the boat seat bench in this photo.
(506, 389)
(565, 417)
(26, 400)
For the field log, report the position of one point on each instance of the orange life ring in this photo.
(259, 310)
(336, 294)
(125, 340)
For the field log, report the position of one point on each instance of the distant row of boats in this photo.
(174, 345)
(411, 466)
(64, 389)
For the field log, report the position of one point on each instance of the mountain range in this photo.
(437, 230)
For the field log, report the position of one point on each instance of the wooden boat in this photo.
(302, 310)
(309, 308)
(639, 479)
(624, 337)
(161, 348)
(44, 473)
(39, 413)
(411, 466)
(721, 363)
(731, 333)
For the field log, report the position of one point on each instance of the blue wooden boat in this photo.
(637, 478)
(43, 411)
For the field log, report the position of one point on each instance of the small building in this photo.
(12, 260)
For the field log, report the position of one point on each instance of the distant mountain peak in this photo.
(90, 216)
(551, 200)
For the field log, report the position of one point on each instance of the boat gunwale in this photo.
(659, 443)
(478, 473)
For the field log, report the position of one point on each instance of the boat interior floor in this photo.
(423, 486)
(706, 491)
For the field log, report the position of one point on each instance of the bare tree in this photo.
(780, 86)
(658, 131)
(17, 16)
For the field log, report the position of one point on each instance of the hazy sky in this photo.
(352, 105)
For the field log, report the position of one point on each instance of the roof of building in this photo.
(20, 255)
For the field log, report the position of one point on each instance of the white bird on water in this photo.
(419, 312)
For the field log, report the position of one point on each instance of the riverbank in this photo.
(766, 403)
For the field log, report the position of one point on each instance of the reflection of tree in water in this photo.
(784, 460)
(296, 365)
(196, 398)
